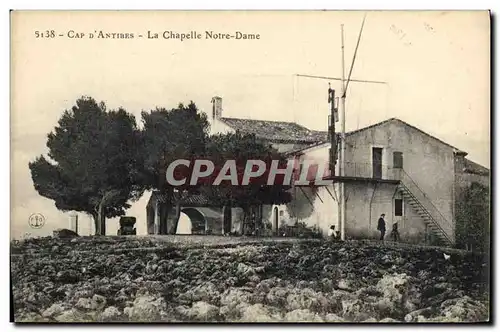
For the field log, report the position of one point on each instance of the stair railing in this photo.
(421, 198)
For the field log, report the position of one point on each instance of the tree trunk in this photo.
(173, 230)
(102, 220)
(95, 216)
(100, 210)
(163, 206)
(227, 218)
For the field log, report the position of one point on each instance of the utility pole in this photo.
(344, 85)
(342, 140)
(332, 135)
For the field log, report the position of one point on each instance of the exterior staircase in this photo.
(436, 223)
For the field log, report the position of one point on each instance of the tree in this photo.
(168, 135)
(241, 148)
(91, 165)
(473, 217)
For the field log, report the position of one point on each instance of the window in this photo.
(397, 160)
(398, 207)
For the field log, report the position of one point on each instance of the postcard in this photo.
(250, 166)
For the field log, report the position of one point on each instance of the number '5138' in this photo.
(45, 34)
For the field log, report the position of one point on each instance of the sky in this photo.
(436, 65)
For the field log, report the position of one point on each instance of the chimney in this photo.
(217, 107)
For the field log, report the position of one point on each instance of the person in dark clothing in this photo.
(381, 226)
(395, 232)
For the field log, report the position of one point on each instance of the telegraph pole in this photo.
(331, 130)
(343, 89)
(342, 140)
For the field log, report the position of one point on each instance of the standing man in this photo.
(381, 226)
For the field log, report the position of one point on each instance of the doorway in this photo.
(377, 163)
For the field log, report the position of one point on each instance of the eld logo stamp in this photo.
(36, 220)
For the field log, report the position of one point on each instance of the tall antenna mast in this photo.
(331, 124)
(342, 139)
(342, 135)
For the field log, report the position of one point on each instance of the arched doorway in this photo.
(197, 219)
(184, 226)
(275, 220)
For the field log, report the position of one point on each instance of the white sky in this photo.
(437, 66)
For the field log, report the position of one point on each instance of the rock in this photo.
(443, 285)
(83, 292)
(388, 320)
(53, 310)
(370, 320)
(68, 276)
(234, 296)
(151, 267)
(202, 311)
(244, 270)
(351, 307)
(73, 315)
(302, 315)
(398, 294)
(332, 318)
(31, 317)
(293, 254)
(259, 269)
(64, 233)
(206, 292)
(306, 299)
(254, 279)
(343, 284)
(84, 303)
(146, 309)
(110, 314)
(464, 309)
(258, 313)
(424, 312)
(98, 302)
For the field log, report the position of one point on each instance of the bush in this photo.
(301, 230)
(473, 218)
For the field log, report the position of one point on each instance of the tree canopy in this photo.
(168, 135)
(99, 160)
(91, 165)
(473, 217)
(241, 148)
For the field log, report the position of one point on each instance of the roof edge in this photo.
(456, 150)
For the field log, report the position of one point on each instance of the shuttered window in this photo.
(398, 207)
(397, 160)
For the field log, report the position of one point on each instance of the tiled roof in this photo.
(188, 200)
(474, 168)
(276, 131)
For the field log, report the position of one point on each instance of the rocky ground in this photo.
(141, 279)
